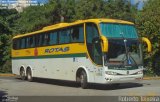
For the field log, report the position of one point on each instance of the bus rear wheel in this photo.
(22, 74)
(29, 75)
(116, 85)
(83, 80)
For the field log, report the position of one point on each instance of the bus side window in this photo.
(32, 41)
(64, 36)
(18, 43)
(41, 39)
(77, 34)
(53, 38)
(81, 34)
(46, 39)
(37, 40)
(22, 43)
(27, 42)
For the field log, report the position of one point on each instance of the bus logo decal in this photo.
(28, 52)
(35, 52)
(51, 50)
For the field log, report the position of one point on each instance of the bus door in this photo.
(94, 49)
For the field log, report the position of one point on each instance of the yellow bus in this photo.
(86, 51)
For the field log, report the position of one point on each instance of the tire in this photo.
(83, 80)
(22, 74)
(116, 85)
(29, 75)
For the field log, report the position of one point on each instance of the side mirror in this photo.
(149, 45)
(104, 44)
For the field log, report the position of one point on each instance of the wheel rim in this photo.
(82, 79)
(29, 76)
(22, 74)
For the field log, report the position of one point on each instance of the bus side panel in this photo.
(56, 68)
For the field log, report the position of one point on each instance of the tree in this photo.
(120, 9)
(149, 25)
(5, 50)
(85, 9)
(31, 19)
(73, 10)
(6, 18)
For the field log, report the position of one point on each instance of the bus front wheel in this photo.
(83, 80)
(29, 75)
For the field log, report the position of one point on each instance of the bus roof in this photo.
(62, 25)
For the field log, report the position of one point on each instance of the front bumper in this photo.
(123, 78)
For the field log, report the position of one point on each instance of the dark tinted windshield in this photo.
(114, 30)
(117, 52)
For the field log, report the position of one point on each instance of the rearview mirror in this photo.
(104, 44)
(147, 41)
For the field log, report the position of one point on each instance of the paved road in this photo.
(13, 86)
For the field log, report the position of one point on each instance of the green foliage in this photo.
(5, 49)
(148, 23)
(32, 18)
(85, 9)
(120, 9)
(73, 10)
(6, 17)
(6, 67)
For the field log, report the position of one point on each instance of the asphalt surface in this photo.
(13, 86)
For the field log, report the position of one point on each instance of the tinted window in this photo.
(30, 41)
(118, 30)
(46, 39)
(22, 43)
(71, 34)
(93, 43)
(77, 34)
(64, 36)
(16, 44)
(53, 38)
(39, 40)
(92, 32)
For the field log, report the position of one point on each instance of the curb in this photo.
(151, 78)
(7, 75)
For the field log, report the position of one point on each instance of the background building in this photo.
(18, 4)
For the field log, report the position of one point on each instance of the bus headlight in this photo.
(111, 73)
(140, 72)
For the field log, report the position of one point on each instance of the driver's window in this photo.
(93, 44)
(91, 31)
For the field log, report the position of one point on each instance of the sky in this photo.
(42, 1)
(141, 3)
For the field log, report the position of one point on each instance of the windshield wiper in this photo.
(133, 60)
(125, 45)
(128, 56)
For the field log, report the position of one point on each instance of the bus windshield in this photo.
(115, 30)
(124, 46)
